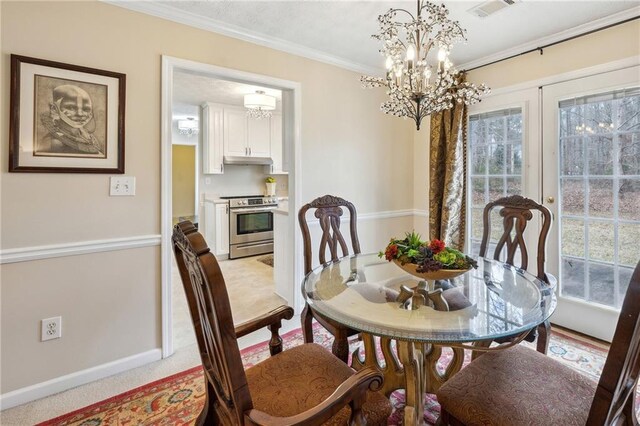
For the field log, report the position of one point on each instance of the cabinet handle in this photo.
(246, 151)
(249, 150)
(227, 208)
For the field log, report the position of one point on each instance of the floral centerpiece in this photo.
(427, 259)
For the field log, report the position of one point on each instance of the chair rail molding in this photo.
(26, 254)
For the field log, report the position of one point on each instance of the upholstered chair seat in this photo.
(300, 378)
(518, 386)
(304, 386)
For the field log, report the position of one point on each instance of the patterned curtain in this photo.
(448, 176)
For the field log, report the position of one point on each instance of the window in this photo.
(599, 194)
(495, 166)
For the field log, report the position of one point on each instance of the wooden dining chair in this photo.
(305, 385)
(519, 386)
(328, 210)
(516, 212)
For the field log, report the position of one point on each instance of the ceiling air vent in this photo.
(490, 7)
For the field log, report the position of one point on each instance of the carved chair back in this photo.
(211, 315)
(516, 212)
(328, 211)
(615, 396)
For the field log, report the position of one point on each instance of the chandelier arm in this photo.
(405, 11)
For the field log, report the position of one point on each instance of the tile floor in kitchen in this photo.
(251, 293)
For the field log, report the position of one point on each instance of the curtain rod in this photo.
(540, 49)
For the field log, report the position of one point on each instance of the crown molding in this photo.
(572, 32)
(170, 13)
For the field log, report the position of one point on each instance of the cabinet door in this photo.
(235, 132)
(222, 229)
(277, 145)
(212, 116)
(259, 137)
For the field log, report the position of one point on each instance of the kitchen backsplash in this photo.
(241, 180)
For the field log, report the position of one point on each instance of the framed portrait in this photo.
(65, 118)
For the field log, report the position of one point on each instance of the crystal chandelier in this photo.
(420, 81)
(188, 127)
(259, 105)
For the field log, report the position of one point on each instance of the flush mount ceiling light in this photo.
(188, 127)
(420, 78)
(259, 105)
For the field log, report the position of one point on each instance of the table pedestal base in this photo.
(413, 368)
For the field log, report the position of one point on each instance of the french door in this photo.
(575, 147)
(591, 183)
(503, 159)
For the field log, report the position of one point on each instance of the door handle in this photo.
(551, 200)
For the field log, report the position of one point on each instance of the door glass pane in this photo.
(599, 194)
(495, 166)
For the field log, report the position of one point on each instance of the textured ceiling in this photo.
(342, 29)
(191, 89)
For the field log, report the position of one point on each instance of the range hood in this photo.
(248, 161)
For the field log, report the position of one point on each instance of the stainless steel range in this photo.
(250, 225)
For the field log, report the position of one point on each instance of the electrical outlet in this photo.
(122, 186)
(51, 328)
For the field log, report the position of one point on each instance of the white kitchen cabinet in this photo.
(222, 229)
(229, 132)
(283, 276)
(235, 132)
(259, 137)
(216, 225)
(245, 136)
(212, 125)
(277, 146)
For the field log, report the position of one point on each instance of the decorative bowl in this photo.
(441, 274)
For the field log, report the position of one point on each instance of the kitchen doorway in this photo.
(216, 165)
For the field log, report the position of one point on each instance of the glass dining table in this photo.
(373, 296)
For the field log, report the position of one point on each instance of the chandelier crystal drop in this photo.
(188, 127)
(420, 79)
(259, 105)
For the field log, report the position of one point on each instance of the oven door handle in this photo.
(249, 209)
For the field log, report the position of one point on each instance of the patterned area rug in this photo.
(178, 399)
(267, 260)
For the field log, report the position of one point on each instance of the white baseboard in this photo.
(59, 384)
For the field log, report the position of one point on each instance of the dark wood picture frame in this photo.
(65, 118)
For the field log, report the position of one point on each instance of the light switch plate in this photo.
(122, 186)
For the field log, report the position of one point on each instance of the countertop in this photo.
(215, 199)
(283, 207)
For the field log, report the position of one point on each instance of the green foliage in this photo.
(270, 179)
(429, 256)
